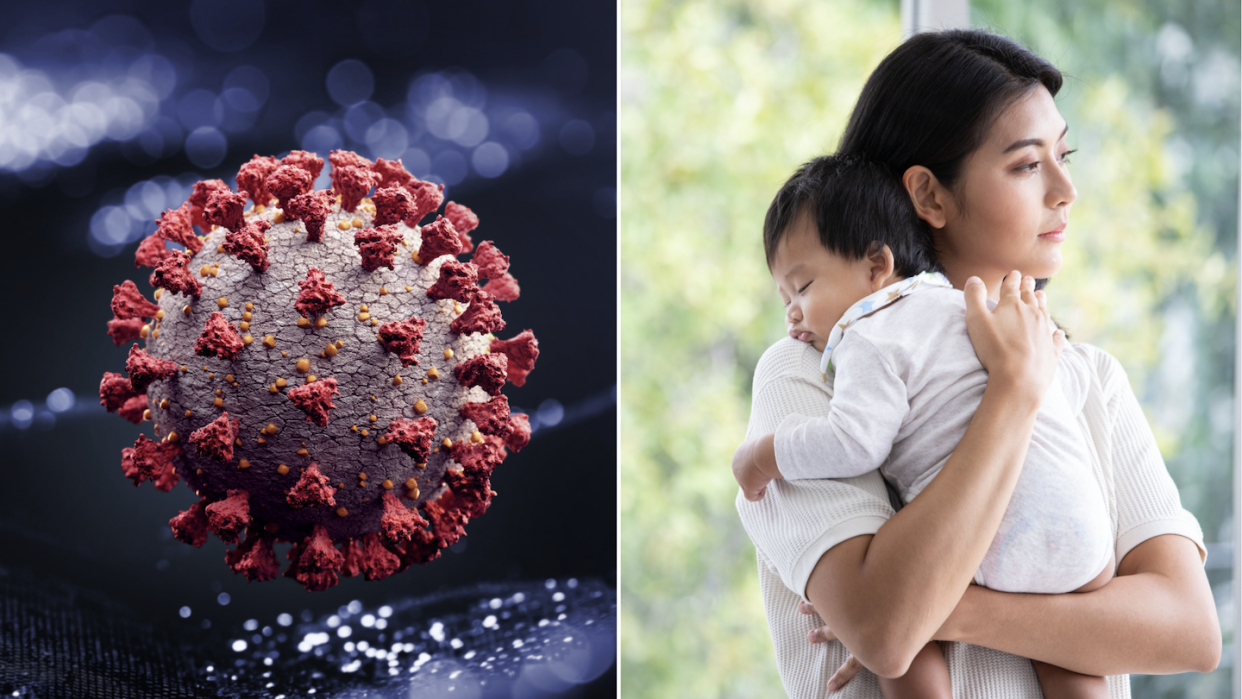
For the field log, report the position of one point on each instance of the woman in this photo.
(966, 120)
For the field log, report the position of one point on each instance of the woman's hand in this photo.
(1016, 342)
(823, 634)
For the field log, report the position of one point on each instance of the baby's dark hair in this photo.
(856, 204)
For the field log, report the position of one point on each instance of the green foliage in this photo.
(720, 101)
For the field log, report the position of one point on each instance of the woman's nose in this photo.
(1061, 190)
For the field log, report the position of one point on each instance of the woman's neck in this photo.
(991, 280)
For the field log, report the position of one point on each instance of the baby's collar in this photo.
(874, 302)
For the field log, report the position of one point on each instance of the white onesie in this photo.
(907, 383)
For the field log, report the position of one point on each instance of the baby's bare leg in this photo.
(927, 678)
(1058, 682)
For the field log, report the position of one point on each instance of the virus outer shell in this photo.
(381, 463)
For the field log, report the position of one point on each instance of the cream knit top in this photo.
(797, 521)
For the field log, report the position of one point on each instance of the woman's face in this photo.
(1010, 207)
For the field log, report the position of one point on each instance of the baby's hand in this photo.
(748, 468)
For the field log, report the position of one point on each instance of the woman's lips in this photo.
(1057, 236)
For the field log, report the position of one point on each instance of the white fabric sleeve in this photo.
(1148, 503)
(869, 405)
(796, 522)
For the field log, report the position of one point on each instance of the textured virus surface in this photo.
(320, 367)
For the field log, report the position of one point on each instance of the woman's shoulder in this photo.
(787, 357)
(1094, 368)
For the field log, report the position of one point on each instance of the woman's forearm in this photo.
(1156, 617)
(886, 595)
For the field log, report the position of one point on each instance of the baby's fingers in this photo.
(822, 634)
(844, 674)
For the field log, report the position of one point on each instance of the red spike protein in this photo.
(320, 368)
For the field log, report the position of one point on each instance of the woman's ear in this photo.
(882, 266)
(928, 195)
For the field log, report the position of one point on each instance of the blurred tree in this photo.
(720, 101)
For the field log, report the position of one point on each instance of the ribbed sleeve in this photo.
(1147, 501)
(796, 522)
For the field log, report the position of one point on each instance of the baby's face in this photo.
(817, 286)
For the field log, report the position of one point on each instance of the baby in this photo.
(853, 264)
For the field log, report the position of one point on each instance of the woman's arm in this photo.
(1156, 617)
(886, 595)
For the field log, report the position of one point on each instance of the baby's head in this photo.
(838, 230)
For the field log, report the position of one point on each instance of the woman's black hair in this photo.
(856, 204)
(932, 100)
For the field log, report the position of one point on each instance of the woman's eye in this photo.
(1065, 156)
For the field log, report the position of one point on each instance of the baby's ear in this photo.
(882, 265)
(927, 195)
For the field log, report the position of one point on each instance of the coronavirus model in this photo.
(320, 367)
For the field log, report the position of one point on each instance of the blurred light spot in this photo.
(22, 413)
(566, 70)
(239, 646)
(359, 118)
(235, 110)
(250, 79)
(152, 142)
(605, 202)
(490, 159)
(387, 138)
(426, 89)
(450, 166)
(185, 612)
(417, 162)
(228, 25)
(466, 88)
(145, 200)
(471, 126)
(577, 137)
(251, 624)
(449, 120)
(60, 400)
(523, 129)
(206, 147)
(309, 121)
(551, 412)
(284, 619)
(156, 71)
(241, 99)
(344, 631)
(224, 599)
(321, 139)
(350, 82)
(111, 225)
(197, 109)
